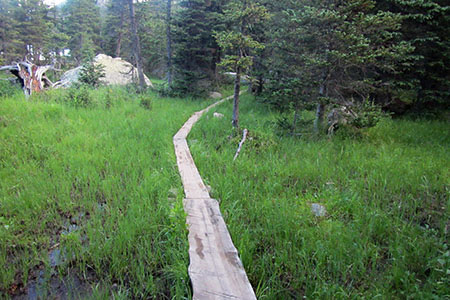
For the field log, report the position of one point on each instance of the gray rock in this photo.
(55, 258)
(117, 72)
(318, 210)
(70, 77)
(217, 115)
(215, 95)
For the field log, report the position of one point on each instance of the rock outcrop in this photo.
(117, 72)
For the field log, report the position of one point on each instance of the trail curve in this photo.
(215, 269)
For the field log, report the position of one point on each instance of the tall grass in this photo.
(386, 193)
(97, 181)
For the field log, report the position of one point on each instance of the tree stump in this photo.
(31, 76)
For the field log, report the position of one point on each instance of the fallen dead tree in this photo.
(31, 77)
(244, 137)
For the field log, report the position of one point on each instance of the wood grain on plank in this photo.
(215, 268)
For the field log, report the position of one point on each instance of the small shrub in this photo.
(260, 141)
(7, 88)
(109, 98)
(132, 88)
(91, 74)
(145, 101)
(177, 91)
(79, 96)
(257, 141)
(284, 125)
(354, 117)
(368, 115)
(163, 90)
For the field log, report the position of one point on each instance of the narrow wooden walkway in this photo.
(215, 269)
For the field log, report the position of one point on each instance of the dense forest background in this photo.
(305, 53)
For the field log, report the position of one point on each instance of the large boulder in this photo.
(117, 72)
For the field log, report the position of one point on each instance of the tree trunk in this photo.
(169, 43)
(32, 77)
(319, 117)
(294, 122)
(136, 46)
(119, 38)
(320, 110)
(260, 86)
(237, 90)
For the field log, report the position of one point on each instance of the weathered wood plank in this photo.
(215, 269)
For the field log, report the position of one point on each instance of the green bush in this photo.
(368, 115)
(284, 125)
(7, 88)
(91, 74)
(79, 96)
(145, 101)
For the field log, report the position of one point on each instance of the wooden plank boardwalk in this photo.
(215, 269)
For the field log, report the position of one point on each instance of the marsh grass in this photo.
(386, 191)
(97, 182)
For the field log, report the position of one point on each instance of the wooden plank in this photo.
(215, 268)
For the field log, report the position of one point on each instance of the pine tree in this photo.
(340, 51)
(82, 24)
(10, 43)
(241, 16)
(169, 42)
(25, 29)
(58, 40)
(152, 29)
(136, 45)
(426, 25)
(116, 29)
(196, 52)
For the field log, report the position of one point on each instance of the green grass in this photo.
(386, 192)
(93, 174)
(94, 182)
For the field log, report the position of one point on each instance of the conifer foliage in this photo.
(196, 52)
(334, 54)
(236, 41)
(82, 23)
(308, 53)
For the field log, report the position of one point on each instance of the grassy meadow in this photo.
(89, 186)
(386, 192)
(90, 197)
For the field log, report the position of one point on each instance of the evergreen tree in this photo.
(196, 52)
(426, 25)
(82, 24)
(25, 29)
(339, 51)
(58, 40)
(169, 42)
(152, 28)
(241, 16)
(116, 29)
(10, 43)
(136, 45)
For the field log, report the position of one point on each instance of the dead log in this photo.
(244, 137)
(31, 77)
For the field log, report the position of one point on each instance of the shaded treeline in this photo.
(321, 54)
